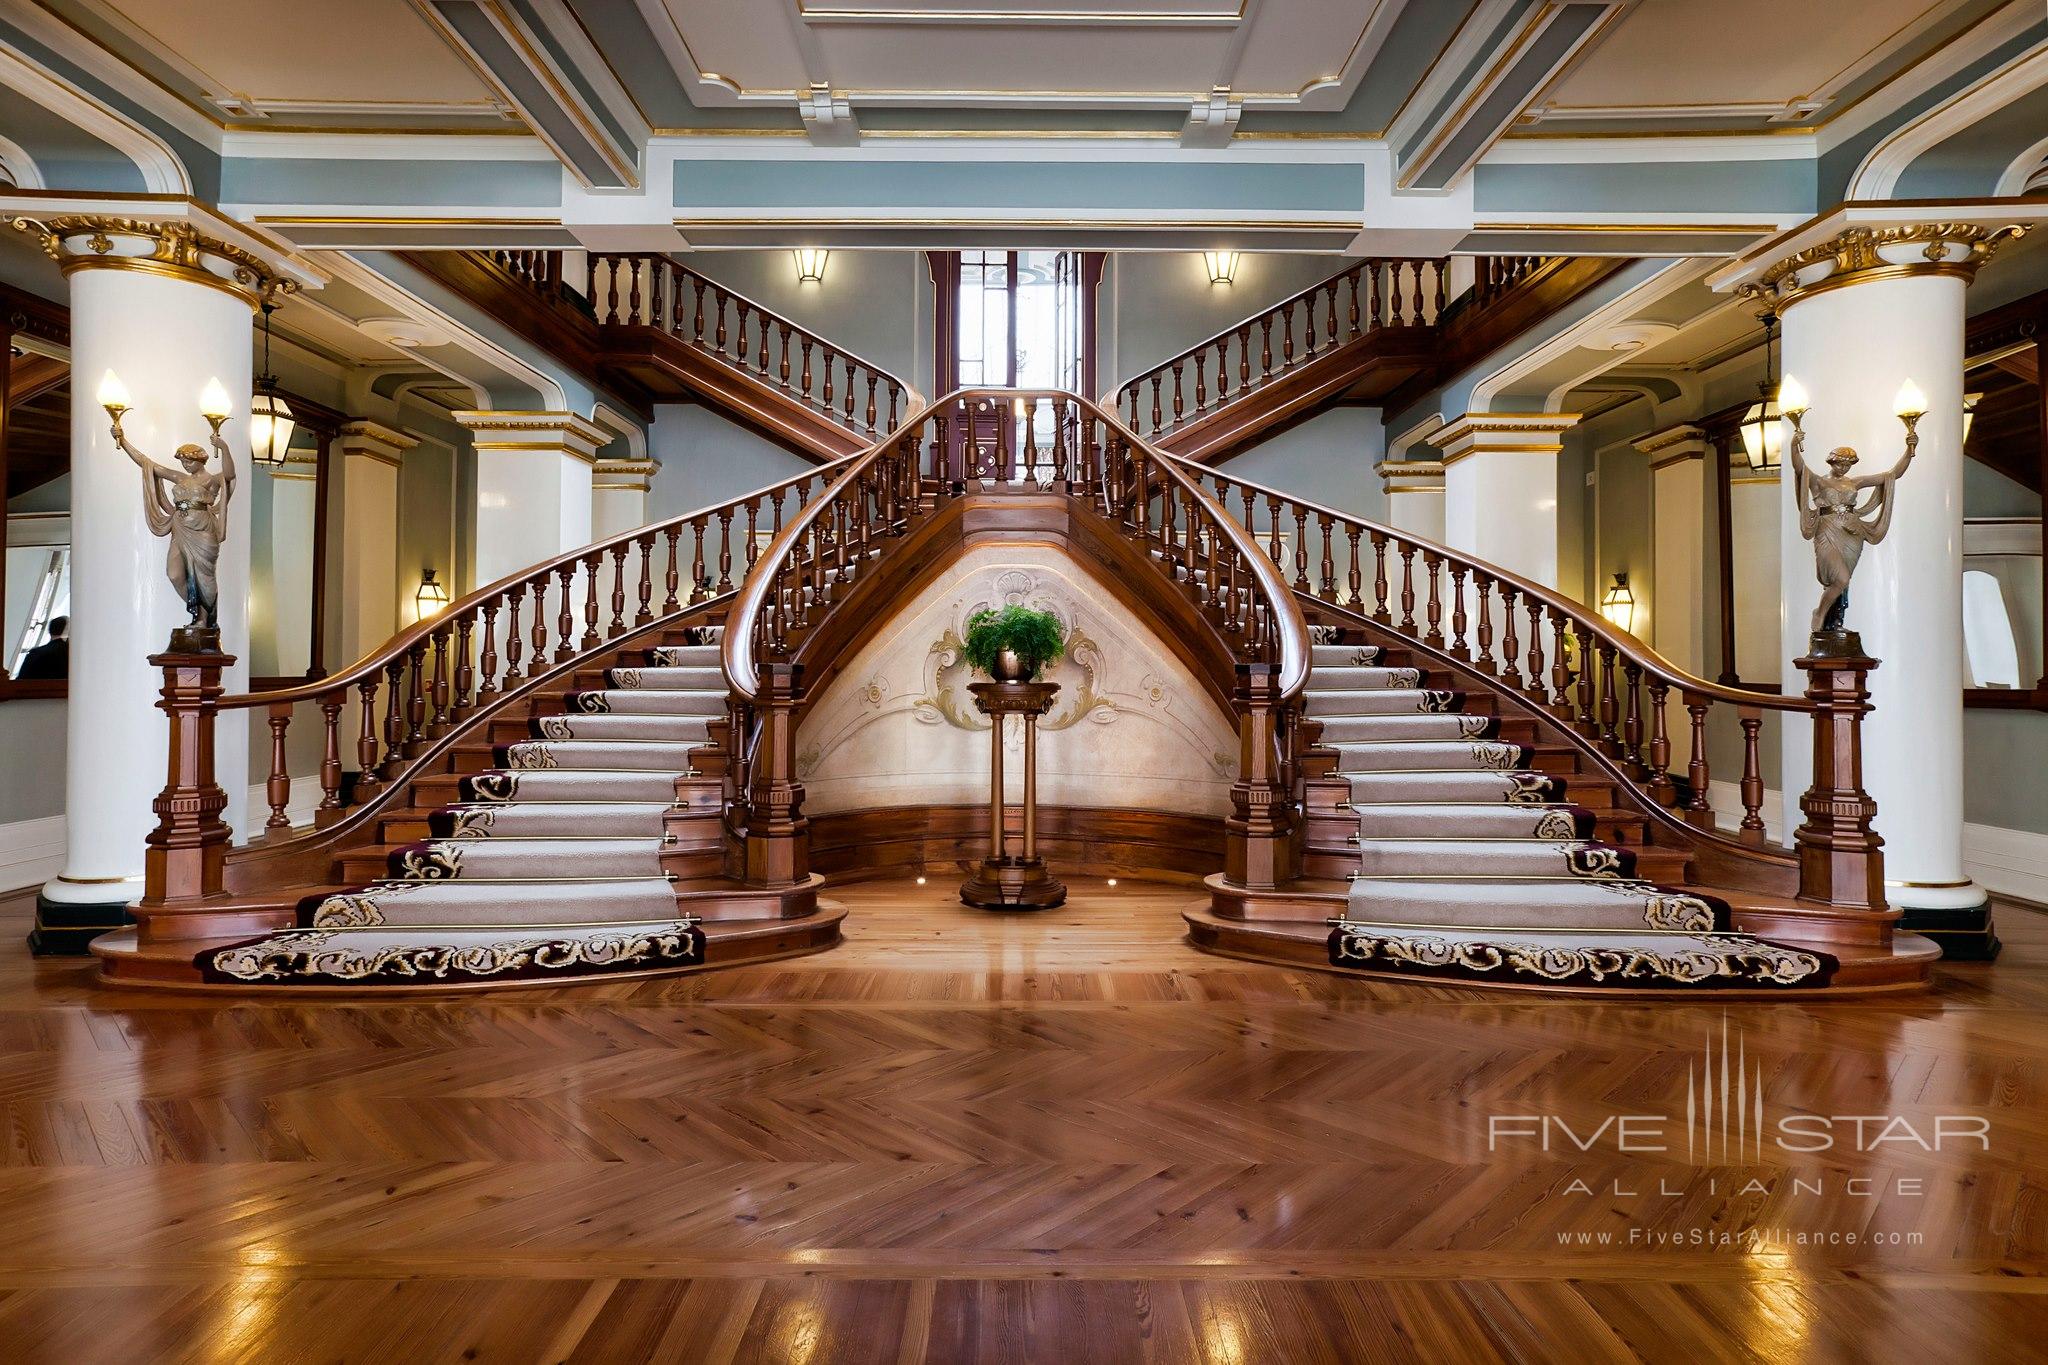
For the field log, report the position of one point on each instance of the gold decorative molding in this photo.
(1859, 254)
(1502, 433)
(169, 248)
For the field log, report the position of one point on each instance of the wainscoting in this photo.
(945, 840)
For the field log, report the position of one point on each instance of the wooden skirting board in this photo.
(1157, 845)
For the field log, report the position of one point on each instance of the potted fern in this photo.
(1015, 643)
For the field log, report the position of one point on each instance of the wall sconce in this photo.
(810, 264)
(431, 596)
(1221, 265)
(113, 396)
(1618, 605)
(1970, 402)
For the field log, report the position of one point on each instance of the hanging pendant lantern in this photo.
(270, 417)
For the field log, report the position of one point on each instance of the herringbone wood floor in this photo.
(963, 1137)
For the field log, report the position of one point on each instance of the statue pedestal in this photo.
(1003, 881)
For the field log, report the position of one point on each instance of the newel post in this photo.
(186, 851)
(778, 835)
(1258, 838)
(1841, 858)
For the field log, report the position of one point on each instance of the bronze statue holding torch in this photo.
(188, 505)
(1832, 513)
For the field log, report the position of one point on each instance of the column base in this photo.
(1964, 933)
(1012, 884)
(66, 928)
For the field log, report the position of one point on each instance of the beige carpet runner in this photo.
(550, 866)
(1472, 864)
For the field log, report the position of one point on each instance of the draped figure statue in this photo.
(190, 506)
(1830, 517)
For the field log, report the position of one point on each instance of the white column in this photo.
(1754, 519)
(1415, 496)
(365, 561)
(1679, 498)
(294, 489)
(533, 476)
(165, 328)
(1862, 315)
(1500, 488)
(618, 496)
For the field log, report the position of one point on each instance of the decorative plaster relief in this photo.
(1132, 726)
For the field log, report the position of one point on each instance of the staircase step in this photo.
(1331, 689)
(1336, 731)
(1323, 657)
(1563, 902)
(1383, 701)
(623, 755)
(1429, 756)
(538, 819)
(688, 678)
(1626, 960)
(1493, 858)
(675, 729)
(644, 701)
(501, 904)
(550, 784)
(421, 957)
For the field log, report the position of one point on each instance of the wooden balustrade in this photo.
(388, 709)
(1611, 688)
(643, 289)
(992, 442)
(1371, 295)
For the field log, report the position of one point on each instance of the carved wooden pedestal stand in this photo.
(1003, 882)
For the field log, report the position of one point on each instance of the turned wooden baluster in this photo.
(440, 697)
(1308, 311)
(1158, 412)
(1699, 809)
(1222, 369)
(416, 700)
(1751, 831)
(718, 305)
(831, 359)
(277, 788)
(672, 577)
(1329, 567)
(1510, 644)
(1535, 688)
(1482, 589)
(1458, 622)
(761, 348)
(1588, 717)
(367, 781)
(1357, 603)
(1201, 381)
(1301, 583)
(744, 308)
(1432, 565)
(725, 549)
(618, 625)
(1287, 336)
(1632, 727)
(1266, 346)
(1244, 356)
(514, 641)
(1610, 701)
(394, 719)
(1379, 577)
(1662, 788)
(872, 381)
(593, 568)
(539, 633)
(465, 672)
(329, 809)
(698, 582)
(565, 618)
(1407, 553)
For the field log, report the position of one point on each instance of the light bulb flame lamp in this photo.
(1221, 265)
(1910, 403)
(214, 403)
(113, 395)
(1792, 399)
(810, 264)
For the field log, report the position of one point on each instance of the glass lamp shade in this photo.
(1970, 402)
(1763, 434)
(1221, 265)
(810, 264)
(432, 596)
(1619, 604)
(270, 429)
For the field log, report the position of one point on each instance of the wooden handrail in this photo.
(1364, 298)
(646, 289)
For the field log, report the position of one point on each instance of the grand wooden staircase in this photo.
(589, 769)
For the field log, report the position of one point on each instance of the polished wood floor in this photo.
(963, 1137)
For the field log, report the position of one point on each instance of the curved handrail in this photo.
(1093, 454)
(1621, 714)
(1625, 644)
(1383, 292)
(646, 289)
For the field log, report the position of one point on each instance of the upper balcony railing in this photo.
(642, 289)
(1369, 297)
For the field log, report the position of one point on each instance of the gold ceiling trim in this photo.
(1856, 255)
(177, 251)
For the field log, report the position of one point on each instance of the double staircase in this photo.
(590, 768)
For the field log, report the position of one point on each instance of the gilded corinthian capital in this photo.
(170, 247)
(1857, 254)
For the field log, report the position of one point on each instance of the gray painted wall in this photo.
(874, 302)
(706, 459)
(1154, 305)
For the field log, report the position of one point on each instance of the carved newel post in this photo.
(778, 834)
(1841, 862)
(1003, 882)
(1258, 837)
(186, 850)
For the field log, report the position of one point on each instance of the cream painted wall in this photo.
(1679, 493)
(1132, 727)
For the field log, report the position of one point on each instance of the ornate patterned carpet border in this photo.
(1648, 960)
(401, 958)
